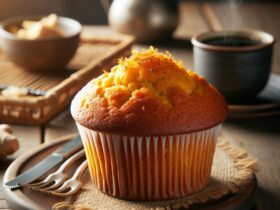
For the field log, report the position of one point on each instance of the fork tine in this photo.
(72, 185)
(71, 192)
(68, 191)
(55, 185)
(48, 180)
(54, 177)
(75, 178)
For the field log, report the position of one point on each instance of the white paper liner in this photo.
(149, 167)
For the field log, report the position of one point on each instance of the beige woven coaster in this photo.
(232, 169)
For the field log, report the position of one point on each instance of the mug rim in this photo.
(265, 38)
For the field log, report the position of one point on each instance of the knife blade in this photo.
(28, 91)
(48, 163)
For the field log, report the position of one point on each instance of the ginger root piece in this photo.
(8, 142)
(47, 27)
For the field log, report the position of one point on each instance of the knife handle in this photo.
(69, 148)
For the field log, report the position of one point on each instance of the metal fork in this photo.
(56, 179)
(72, 185)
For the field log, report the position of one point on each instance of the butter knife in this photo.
(28, 91)
(46, 164)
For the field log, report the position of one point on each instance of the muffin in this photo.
(149, 127)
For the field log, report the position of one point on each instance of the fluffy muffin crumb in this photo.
(145, 72)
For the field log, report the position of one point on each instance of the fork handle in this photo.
(69, 162)
(80, 170)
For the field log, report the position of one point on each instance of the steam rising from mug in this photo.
(232, 15)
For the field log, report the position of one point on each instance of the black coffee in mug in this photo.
(236, 62)
(232, 41)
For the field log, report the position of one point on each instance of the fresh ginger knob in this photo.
(8, 142)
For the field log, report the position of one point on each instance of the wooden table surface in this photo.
(260, 137)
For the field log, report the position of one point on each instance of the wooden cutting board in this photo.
(27, 199)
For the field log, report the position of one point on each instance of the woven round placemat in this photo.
(232, 169)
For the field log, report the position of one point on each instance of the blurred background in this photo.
(85, 11)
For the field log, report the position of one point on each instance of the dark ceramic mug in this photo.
(237, 63)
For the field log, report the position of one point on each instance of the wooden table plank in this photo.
(28, 136)
(261, 139)
(4, 204)
(62, 125)
(262, 16)
(1, 195)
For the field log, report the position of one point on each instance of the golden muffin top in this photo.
(145, 71)
(148, 89)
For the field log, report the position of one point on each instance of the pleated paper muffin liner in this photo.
(149, 167)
